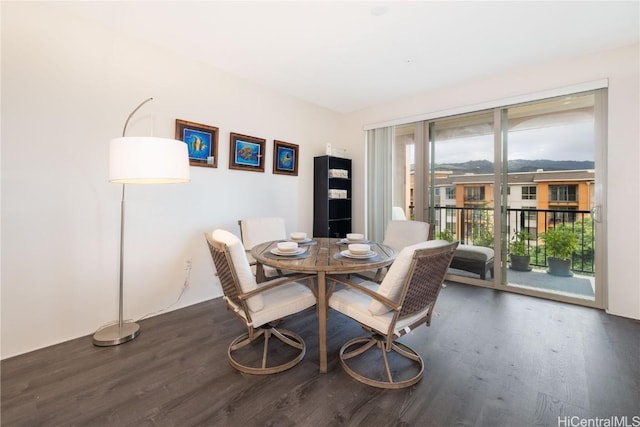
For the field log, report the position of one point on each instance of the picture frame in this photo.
(202, 142)
(285, 158)
(246, 152)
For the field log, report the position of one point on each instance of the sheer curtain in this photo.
(379, 181)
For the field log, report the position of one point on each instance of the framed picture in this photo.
(246, 152)
(285, 158)
(202, 142)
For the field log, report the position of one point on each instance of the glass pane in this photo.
(551, 177)
(462, 176)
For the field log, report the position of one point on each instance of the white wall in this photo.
(67, 88)
(621, 67)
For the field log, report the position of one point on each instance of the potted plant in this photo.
(560, 243)
(518, 256)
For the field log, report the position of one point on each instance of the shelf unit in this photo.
(331, 215)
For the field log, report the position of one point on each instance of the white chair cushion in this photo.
(355, 304)
(269, 272)
(280, 302)
(400, 234)
(391, 285)
(260, 230)
(242, 267)
(398, 213)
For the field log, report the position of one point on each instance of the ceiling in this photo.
(346, 56)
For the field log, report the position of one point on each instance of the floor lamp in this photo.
(139, 160)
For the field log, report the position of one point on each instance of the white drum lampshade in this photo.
(148, 160)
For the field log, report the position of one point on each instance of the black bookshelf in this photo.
(331, 213)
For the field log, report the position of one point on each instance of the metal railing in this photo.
(474, 226)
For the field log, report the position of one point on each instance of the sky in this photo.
(566, 142)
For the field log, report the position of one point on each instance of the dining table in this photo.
(322, 256)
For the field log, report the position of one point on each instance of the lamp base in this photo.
(116, 334)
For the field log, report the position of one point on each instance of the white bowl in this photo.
(355, 237)
(359, 249)
(298, 235)
(287, 246)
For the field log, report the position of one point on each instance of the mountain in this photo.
(549, 165)
(518, 165)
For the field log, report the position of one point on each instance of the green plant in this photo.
(518, 243)
(560, 241)
(585, 254)
(482, 226)
(445, 235)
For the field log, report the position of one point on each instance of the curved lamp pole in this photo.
(139, 160)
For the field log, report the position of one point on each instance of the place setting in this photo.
(290, 250)
(301, 239)
(357, 251)
(353, 238)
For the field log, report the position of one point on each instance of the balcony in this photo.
(474, 226)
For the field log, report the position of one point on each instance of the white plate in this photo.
(299, 251)
(307, 240)
(348, 254)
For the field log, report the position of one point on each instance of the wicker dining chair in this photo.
(402, 233)
(258, 306)
(399, 233)
(254, 231)
(403, 301)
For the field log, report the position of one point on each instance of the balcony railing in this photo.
(475, 226)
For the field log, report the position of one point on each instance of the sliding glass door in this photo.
(550, 153)
(520, 187)
(462, 192)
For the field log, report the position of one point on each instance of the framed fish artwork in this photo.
(246, 152)
(285, 158)
(202, 142)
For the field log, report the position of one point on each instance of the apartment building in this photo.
(540, 191)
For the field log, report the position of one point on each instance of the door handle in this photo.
(595, 213)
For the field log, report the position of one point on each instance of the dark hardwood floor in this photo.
(492, 359)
